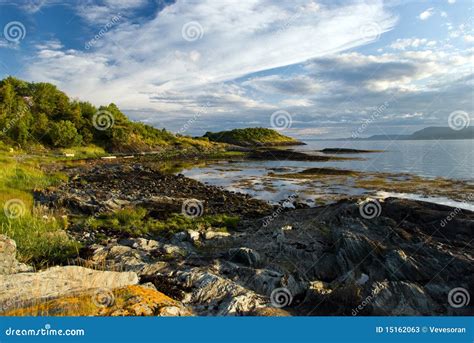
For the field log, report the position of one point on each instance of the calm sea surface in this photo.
(452, 159)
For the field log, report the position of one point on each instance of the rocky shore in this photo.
(354, 257)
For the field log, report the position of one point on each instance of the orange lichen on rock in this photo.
(125, 301)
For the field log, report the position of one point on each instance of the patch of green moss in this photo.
(136, 222)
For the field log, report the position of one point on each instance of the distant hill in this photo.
(428, 133)
(251, 137)
(432, 132)
(39, 114)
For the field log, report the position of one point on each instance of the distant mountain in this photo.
(428, 133)
(434, 132)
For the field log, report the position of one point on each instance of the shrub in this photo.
(64, 134)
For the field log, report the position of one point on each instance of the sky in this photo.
(310, 69)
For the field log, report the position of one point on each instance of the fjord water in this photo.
(452, 159)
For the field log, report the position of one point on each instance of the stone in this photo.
(245, 256)
(215, 234)
(193, 235)
(8, 262)
(124, 301)
(19, 290)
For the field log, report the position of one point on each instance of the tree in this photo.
(64, 134)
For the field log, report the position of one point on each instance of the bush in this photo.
(64, 134)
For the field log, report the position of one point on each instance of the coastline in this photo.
(227, 237)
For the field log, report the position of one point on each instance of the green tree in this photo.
(64, 134)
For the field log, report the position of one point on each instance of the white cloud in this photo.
(133, 63)
(426, 14)
(469, 38)
(444, 14)
(451, 2)
(402, 44)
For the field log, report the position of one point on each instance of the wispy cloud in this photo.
(426, 14)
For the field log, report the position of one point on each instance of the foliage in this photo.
(39, 113)
(257, 136)
(64, 134)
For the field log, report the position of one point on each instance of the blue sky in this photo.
(326, 68)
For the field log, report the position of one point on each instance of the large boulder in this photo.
(125, 301)
(24, 289)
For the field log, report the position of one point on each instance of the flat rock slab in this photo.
(25, 289)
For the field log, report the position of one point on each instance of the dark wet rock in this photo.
(288, 155)
(108, 187)
(346, 151)
(244, 256)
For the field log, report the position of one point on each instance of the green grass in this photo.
(40, 240)
(136, 222)
(84, 151)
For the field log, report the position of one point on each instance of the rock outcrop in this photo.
(318, 261)
(24, 289)
(393, 257)
(123, 301)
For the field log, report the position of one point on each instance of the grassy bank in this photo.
(38, 232)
